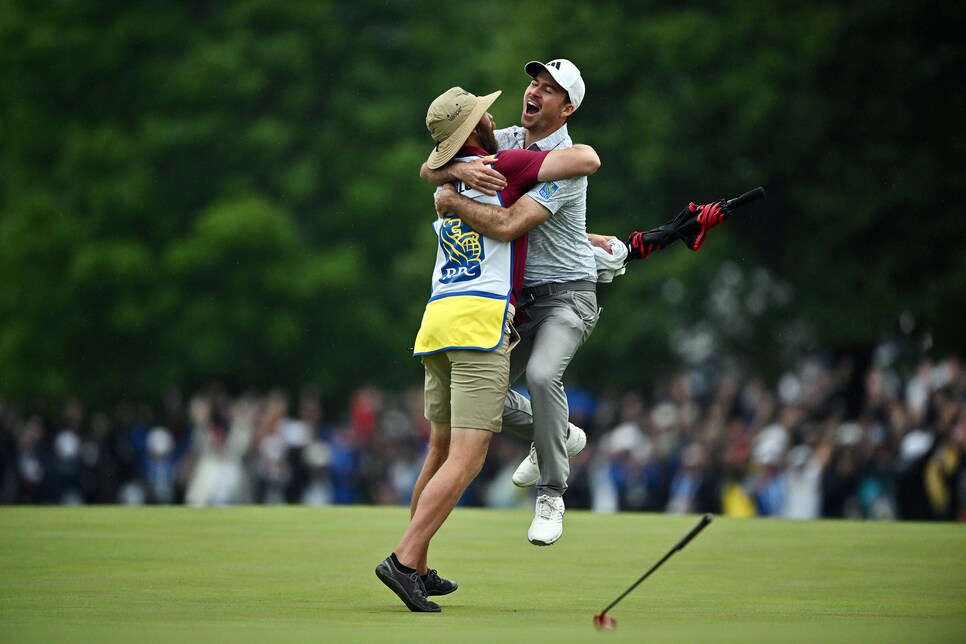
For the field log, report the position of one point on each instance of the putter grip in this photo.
(751, 195)
(705, 520)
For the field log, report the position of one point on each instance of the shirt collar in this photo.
(552, 141)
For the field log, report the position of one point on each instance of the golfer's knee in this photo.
(541, 379)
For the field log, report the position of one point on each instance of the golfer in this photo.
(467, 331)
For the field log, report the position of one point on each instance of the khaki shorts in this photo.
(468, 388)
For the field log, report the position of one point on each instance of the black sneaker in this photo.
(436, 585)
(410, 588)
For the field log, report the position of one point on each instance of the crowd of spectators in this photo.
(827, 439)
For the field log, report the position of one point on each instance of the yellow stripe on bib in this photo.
(461, 322)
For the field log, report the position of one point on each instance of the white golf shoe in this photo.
(547, 525)
(527, 473)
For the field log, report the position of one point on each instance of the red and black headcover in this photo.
(691, 226)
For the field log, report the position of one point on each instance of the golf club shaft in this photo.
(705, 520)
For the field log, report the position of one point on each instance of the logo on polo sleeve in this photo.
(549, 189)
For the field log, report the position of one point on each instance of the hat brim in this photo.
(534, 67)
(446, 150)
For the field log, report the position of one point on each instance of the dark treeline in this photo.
(229, 190)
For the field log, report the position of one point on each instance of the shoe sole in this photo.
(533, 482)
(537, 542)
(580, 447)
(525, 483)
(395, 587)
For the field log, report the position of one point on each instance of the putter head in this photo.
(604, 622)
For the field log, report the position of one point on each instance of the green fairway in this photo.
(306, 574)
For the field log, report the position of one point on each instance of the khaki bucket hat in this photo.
(450, 120)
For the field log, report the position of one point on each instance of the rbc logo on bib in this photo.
(463, 249)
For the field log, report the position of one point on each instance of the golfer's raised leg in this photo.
(562, 329)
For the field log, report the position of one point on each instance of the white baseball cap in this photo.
(565, 73)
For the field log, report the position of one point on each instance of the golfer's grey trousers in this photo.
(555, 327)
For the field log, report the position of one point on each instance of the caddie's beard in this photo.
(487, 139)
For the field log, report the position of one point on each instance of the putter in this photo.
(603, 621)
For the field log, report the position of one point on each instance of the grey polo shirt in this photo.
(558, 250)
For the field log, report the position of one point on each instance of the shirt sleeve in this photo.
(520, 167)
(552, 195)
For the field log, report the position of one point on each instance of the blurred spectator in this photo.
(299, 433)
(912, 502)
(220, 443)
(804, 476)
(768, 485)
(345, 466)
(69, 483)
(318, 489)
(160, 466)
(365, 408)
(270, 445)
(626, 450)
(32, 462)
(840, 480)
(65, 469)
(945, 464)
(695, 488)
